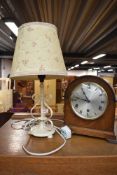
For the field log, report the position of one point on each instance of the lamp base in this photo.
(42, 130)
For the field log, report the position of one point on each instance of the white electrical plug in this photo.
(66, 132)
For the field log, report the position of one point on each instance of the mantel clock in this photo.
(90, 107)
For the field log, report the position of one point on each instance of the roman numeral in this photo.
(100, 108)
(76, 105)
(80, 111)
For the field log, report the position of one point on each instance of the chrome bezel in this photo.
(93, 117)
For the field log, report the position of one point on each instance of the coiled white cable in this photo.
(29, 123)
(50, 152)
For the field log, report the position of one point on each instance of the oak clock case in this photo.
(90, 107)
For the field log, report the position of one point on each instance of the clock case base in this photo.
(92, 132)
(103, 127)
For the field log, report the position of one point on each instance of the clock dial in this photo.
(89, 100)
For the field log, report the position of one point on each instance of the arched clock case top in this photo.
(89, 107)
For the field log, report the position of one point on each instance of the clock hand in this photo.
(80, 99)
(85, 94)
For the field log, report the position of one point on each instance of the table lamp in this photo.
(38, 55)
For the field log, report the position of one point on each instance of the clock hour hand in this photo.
(80, 99)
(85, 94)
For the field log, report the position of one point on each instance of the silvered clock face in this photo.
(89, 100)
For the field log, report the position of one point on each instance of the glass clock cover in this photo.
(89, 100)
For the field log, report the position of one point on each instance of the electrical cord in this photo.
(26, 125)
(20, 124)
(50, 152)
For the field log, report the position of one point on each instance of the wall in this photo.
(5, 67)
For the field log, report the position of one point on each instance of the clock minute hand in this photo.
(80, 99)
(85, 94)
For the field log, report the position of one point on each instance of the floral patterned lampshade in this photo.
(37, 52)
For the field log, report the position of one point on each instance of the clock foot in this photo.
(113, 141)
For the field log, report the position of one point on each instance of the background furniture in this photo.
(6, 101)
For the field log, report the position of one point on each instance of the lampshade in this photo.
(37, 52)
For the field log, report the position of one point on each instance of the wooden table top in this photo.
(11, 142)
(81, 155)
